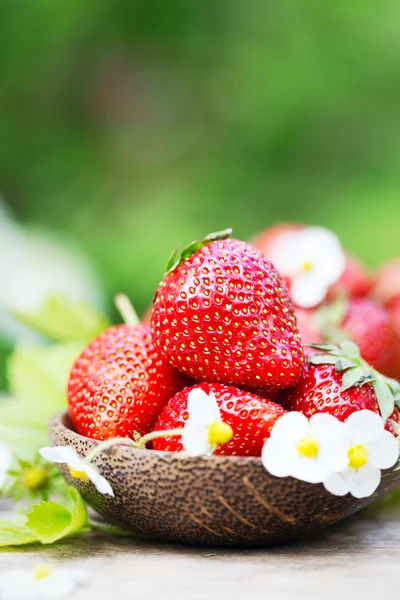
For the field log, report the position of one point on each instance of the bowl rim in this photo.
(60, 421)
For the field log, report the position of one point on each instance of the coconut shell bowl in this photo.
(213, 500)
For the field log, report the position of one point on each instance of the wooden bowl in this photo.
(214, 500)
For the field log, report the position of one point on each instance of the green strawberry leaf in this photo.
(38, 379)
(342, 364)
(322, 359)
(61, 320)
(178, 256)
(12, 534)
(50, 521)
(351, 377)
(331, 349)
(384, 396)
(350, 349)
(218, 235)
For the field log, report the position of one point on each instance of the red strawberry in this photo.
(368, 325)
(119, 384)
(355, 281)
(340, 384)
(251, 418)
(386, 287)
(223, 314)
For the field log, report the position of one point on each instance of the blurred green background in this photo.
(128, 126)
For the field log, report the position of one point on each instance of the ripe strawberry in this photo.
(222, 313)
(386, 287)
(367, 324)
(355, 281)
(341, 383)
(119, 384)
(251, 418)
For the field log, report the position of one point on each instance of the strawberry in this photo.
(119, 384)
(386, 288)
(340, 382)
(222, 313)
(250, 416)
(355, 281)
(367, 324)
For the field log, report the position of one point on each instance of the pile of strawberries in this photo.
(223, 319)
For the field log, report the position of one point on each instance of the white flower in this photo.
(5, 461)
(370, 448)
(40, 583)
(204, 429)
(79, 468)
(313, 259)
(309, 450)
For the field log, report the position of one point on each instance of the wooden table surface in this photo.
(356, 559)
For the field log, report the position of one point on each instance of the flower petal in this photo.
(363, 426)
(384, 452)
(202, 407)
(101, 484)
(307, 290)
(337, 484)
(334, 456)
(195, 439)
(59, 454)
(290, 427)
(325, 428)
(363, 482)
(278, 457)
(5, 461)
(310, 470)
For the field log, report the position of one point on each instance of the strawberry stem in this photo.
(108, 444)
(158, 434)
(126, 309)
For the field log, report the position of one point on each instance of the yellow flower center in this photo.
(308, 447)
(307, 266)
(35, 478)
(358, 456)
(78, 474)
(219, 433)
(41, 572)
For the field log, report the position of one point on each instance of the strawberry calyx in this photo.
(355, 371)
(179, 255)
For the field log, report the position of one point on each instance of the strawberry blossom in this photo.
(369, 448)
(204, 429)
(40, 583)
(310, 450)
(313, 259)
(79, 468)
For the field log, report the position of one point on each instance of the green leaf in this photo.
(218, 235)
(62, 320)
(50, 521)
(38, 379)
(351, 377)
(322, 359)
(329, 348)
(12, 534)
(331, 316)
(343, 363)
(173, 260)
(177, 257)
(350, 349)
(384, 396)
